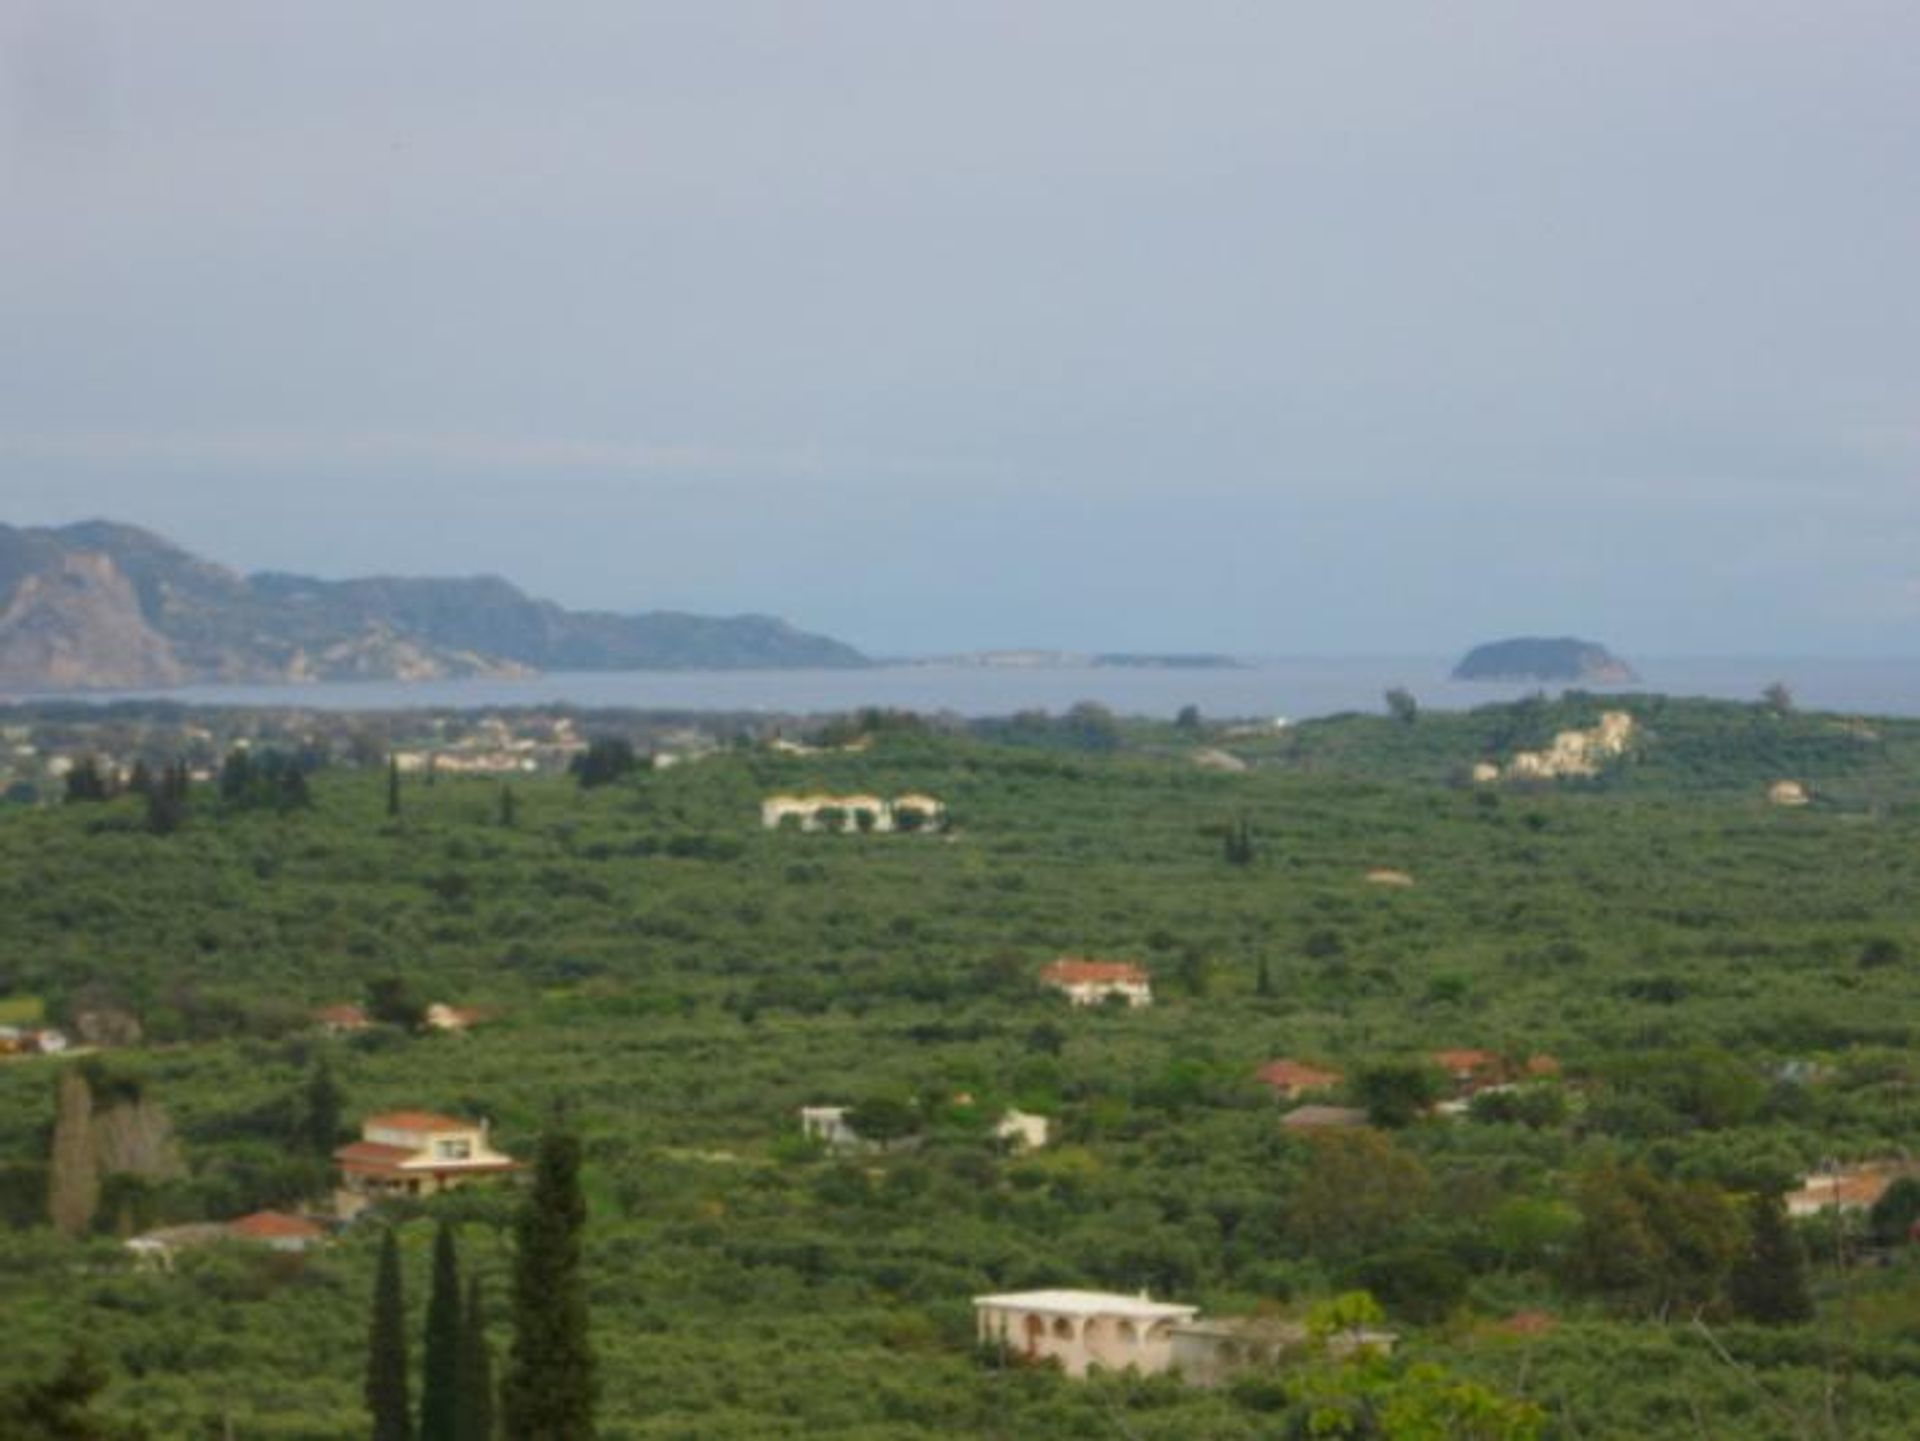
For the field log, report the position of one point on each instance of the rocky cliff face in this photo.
(105, 606)
(77, 622)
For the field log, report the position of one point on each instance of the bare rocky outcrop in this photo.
(1574, 753)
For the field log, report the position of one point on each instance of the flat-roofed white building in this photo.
(1083, 1329)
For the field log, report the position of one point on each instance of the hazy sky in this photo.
(1266, 327)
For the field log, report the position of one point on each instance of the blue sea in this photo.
(1295, 688)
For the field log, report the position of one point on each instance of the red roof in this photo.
(1069, 972)
(1465, 1060)
(341, 1016)
(1529, 1323)
(1293, 1075)
(275, 1226)
(416, 1121)
(372, 1155)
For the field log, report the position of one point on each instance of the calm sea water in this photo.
(1296, 688)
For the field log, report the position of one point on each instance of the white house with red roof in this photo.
(1088, 983)
(1289, 1080)
(413, 1153)
(278, 1231)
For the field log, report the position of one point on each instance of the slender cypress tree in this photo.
(548, 1389)
(73, 1192)
(506, 806)
(1769, 1281)
(440, 1367)
(393, 785)
(387, 1350)
(473, 1404)
(321, 1106)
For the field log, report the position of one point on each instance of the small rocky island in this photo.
(1532, 658)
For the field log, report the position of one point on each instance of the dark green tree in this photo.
(393, 786)
(883, 1119)
(167, 801)
(605, 760)
(59, 1407)
(392, 1001)
(386, 1383)
(1894, 1215)
(1263, 979)
(473, 1403)
(236, 777)
(1402, 706)
(1395, 1093)
(87, 782)
(440, 1361)
(1768, 1282)
(1188, 719)
(1238, 844)
(507, 807)
(1195, 972)
(320, 1109)
(548, 1391)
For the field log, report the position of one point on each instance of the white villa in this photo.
(1083, 1329)
(828, 1125)
(412, 1153)
(909, 812)
(1087, 983)
(1021, 1130)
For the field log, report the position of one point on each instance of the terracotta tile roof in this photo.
(373, 1153)
(1068, 971)
(1294, 1075)
(1853, 1188)
(1541, 1064)
(416, 1121)
(341, 1016)
(1465, 1060)
(275, 1226)
(1529, 1323)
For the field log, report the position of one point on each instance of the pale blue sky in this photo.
(1258, 327)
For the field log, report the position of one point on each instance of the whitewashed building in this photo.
(1083, 1329)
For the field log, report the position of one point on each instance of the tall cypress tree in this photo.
(393, 785)
(1769, 1281)
(548, 1390)
(320, 1110)
(73, 1191)
(473, 1403)
(440, 1367)
(387, 1350)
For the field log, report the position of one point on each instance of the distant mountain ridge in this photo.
(100, 605)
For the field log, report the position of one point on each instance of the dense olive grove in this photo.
(1729, 988)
